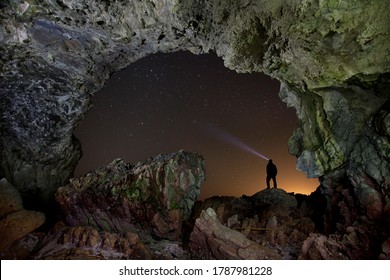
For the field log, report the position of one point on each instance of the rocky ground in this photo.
(149, 211)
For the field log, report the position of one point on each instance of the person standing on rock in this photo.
(271, 173)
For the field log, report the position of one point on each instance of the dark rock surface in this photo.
(156, 195)
(212, 240)
(270, 221)
(64, 243)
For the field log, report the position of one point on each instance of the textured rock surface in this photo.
(331, 56)
(80, 243)
(320, 247)
(23, 248)
(270, 218)
(212, 240)
(354, 244)
(15, 222)
(157, 195)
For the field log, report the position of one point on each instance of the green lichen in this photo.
(249, 46)
(174, 205)
(170, 174)
(135, 192)
(115, 192)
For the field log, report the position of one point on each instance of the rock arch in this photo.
(332, 58)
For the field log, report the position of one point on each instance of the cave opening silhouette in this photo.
(165, 102)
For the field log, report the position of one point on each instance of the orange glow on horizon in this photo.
(306, 189)
(296, 183)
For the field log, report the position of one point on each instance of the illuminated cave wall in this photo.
(332, 58)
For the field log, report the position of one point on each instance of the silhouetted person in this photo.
(271, 173)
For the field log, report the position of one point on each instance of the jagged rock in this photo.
(320, 247)
(369, 170)
(268, 201)
(225, 207)
(15, 222)
(232, 221)
(354, 244)
(64, 243)
(157, 195)
(270, 217)
(212, 240)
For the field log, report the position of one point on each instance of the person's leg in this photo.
(274, 180)
(268, 179)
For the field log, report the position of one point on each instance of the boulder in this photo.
(16, 225)
(15, 222)
(156, 195)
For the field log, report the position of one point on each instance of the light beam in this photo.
(230, 139)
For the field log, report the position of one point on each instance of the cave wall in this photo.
(331, 56)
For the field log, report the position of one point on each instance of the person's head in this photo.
(270, 161)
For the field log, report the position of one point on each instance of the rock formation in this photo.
(156, 195)
(211, 240)
(83, 243)
(332, 58)
(15, 221)
(267, 225)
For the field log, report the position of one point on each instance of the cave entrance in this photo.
(161, 103)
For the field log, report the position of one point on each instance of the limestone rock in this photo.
(212, 240)
(80, 243)
(157, 195)
(331, 122)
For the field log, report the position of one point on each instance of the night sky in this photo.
(167, 102)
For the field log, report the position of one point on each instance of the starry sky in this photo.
(167, 102)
